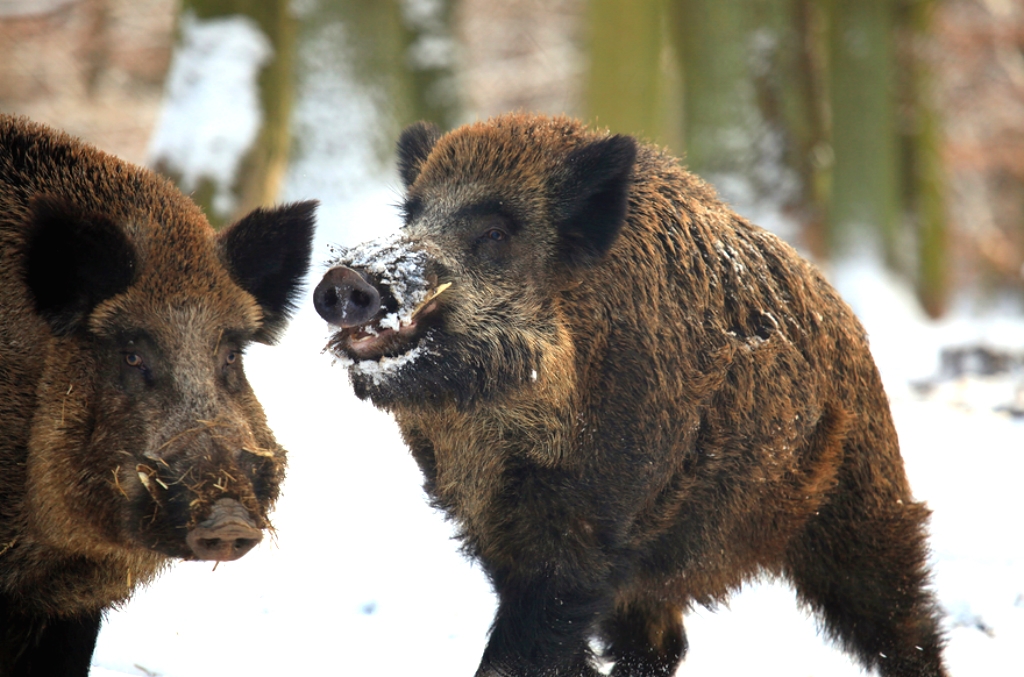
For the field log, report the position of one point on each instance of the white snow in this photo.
(392, 261)
(215, 68)
(381, 370)
(363, 577)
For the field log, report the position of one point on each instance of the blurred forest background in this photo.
(894, 127)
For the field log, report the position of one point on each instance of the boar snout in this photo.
(345, 299)
(226, 535)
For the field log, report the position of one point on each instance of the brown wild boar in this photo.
(129, 432)
(630, 400)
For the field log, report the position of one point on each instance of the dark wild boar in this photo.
(129, 432)
(630, 400)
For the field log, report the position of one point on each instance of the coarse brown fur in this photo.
(632, 400)
(124, 410)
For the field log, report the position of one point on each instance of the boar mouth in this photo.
(388, 334)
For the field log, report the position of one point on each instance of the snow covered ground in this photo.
(364, 579)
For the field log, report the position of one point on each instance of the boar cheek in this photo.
(72, 497)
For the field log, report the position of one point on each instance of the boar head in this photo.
(468, 303)
(147, 434)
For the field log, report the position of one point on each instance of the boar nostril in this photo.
(236, 546)
(327, 297)
(344, 298)
(361, 299)
(244, 545)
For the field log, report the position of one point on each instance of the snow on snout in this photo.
(391, 262)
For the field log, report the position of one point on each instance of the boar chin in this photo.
(446, 369)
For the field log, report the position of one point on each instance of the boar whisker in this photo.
(117, 483)
(215, 423)
(257, 451)
(176, 437)
(204, 425)
(10, 544)
(71, 386)
(272, 532)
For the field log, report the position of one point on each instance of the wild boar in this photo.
(630, 400)
(129, 432)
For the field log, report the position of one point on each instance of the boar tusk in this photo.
(423, 304)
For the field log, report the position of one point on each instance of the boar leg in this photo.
(542, 628)
(863, 572)
(645, 639)
(54, 647)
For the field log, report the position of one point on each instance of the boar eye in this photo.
(495, 235)
(133, 360)
(232, 356)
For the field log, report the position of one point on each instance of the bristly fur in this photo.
(124, 410)
(634, 401)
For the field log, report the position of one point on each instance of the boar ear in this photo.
(592, 197)
(267, 253)
(73, 261)
(414, 145)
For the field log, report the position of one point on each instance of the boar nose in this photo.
(227, 534)
(345, 299)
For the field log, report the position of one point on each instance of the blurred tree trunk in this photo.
(921, 140)
(627, 88)
(865, 188)
(719, 112)
(818, 108)
(402, 53)
(429, 60)
(802, 110)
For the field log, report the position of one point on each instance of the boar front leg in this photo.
(542, 627)
(49, 647)
(645, 638)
